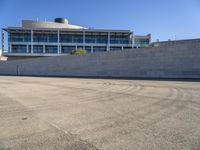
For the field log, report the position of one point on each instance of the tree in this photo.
(78, 52)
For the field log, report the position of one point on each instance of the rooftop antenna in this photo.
(37, 19)
(45, 20)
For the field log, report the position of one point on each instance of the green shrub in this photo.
(144, 46)
(78, 52)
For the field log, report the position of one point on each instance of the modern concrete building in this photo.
(41, 38)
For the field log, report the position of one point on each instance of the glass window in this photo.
(77, 39)
(19, 48)
(88, 49)
(66, 38)
(37, 49)
(142, 41)
(51, 38)
(89, 39)
(120, 39)
(102, 39)
(51, 49)
(40, 38)
(99, 49)
(29, 49)
(19, 37)
(71, 39)
(115, 48)
(67, 49)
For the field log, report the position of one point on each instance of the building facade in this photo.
(41, 38)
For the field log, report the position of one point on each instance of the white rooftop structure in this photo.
(59, 23)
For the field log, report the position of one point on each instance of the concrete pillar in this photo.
(58, 34)
(76, 47)
(61, 49)
(122, 48)
(32, 35)
(43, 48)
(83, 39)
(27, 51)
(10, 50)
(92, 49)
(133, 41)
(108, 45)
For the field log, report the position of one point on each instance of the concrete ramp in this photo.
(173, 60)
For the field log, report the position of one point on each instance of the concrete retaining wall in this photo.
(181, 60)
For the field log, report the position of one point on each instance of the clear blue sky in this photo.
(164, 19)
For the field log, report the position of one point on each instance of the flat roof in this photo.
(63, 29)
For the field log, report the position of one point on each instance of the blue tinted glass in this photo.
(120, 40)
(37, 49)
(115, 48)
(90, 39)
(96, 39)
(67, 49)
(19, 48)
(52, 38)
(78, 39)
(88, 49)
(51, 49)
(99, 49)
(66, 38)
(19, 37)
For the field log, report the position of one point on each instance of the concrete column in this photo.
(58, 34)
(108, 45)
(122, 48)
(83, 39)
(10, 50)
(43, 48)
(27, 49)
(92, 49)
(133, 41)
(76, 47)
(32, 35)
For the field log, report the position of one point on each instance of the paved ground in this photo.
(62, 113)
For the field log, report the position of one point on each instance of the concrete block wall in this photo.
(181, 60)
